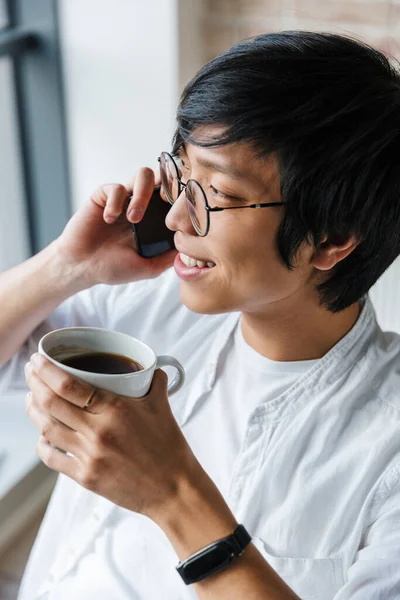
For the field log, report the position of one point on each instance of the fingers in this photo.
(63, 384)
(113, 198)
(44, 399)
(116, 198)
(56, 460)
(143, 186)
(55, 432)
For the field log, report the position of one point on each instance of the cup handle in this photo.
(179, 379)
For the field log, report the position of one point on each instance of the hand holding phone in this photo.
(152, 235)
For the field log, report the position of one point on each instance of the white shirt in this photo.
(244, 380)
(315, 478)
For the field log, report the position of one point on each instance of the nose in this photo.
(178, 217)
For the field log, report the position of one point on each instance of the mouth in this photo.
(191, 261)
(191, 268)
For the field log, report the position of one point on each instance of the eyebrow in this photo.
(221, 168)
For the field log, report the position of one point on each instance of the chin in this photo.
(203, 302)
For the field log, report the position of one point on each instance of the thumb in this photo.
(158, 388)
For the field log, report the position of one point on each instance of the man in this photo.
(288, 422)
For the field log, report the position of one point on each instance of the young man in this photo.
(289, 420)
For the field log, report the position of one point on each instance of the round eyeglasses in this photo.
(196, 200)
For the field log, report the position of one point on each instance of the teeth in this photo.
(193, 262)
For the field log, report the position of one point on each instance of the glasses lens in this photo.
(169, 177)
(197, 207)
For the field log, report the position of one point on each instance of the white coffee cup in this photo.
(61, 344)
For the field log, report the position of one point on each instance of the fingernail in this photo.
(135, 214)
(109, 218)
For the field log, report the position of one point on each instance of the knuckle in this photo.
(118, 189)
(33, 404)
(67, 386)
(146, 172)
(47, 401)
(87, 479)
(101, 189)
(47, 427)
(97, 462)
(104, 437)
(49, 458)
(39, 365)
(118, 404)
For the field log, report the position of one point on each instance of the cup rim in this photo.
(126, 335)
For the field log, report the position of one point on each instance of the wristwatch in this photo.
(214, 557)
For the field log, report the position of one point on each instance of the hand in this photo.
(131, 451)
(99, 240)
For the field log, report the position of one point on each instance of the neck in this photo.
(297, 331)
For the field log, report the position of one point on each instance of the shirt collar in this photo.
(340, 359)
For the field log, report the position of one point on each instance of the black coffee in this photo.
(103, 362)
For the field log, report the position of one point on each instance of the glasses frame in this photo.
(209, 209)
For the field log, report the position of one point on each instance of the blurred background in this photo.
(88, 90)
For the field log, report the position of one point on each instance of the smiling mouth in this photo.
(189, 261)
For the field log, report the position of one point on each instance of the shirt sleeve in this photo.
(87, 308)
(375, 573)
(110, 307)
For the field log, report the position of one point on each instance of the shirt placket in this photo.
(79, 545)
(249, 462)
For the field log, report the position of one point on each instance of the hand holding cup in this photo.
(127, 448)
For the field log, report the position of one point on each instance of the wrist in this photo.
(197, 516)
(72, 275)
(65, 278)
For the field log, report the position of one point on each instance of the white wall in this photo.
(14, 233)
(385, 296)
(120, 64)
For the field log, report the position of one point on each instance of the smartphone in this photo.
(152, 235)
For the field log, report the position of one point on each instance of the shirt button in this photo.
(96, 516)
(50, 578)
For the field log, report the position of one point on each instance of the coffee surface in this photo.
(103, 362)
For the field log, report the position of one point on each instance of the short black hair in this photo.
(328, 107)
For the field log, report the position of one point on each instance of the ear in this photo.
(328, 254)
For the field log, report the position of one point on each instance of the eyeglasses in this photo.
(196, 200)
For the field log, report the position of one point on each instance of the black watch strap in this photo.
(214, 557)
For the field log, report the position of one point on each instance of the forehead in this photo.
(239, 160)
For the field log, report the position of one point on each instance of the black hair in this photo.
(328, 108)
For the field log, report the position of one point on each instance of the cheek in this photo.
(251, 266)
(249, 250)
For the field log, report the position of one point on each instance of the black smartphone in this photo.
(152, 235)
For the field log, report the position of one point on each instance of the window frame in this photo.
(31, 40)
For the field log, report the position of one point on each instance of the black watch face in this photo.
(208, 560)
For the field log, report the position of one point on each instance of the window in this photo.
(35, 201)
(34, 207)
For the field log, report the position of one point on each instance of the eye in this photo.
(221, 195)
(183, 169)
